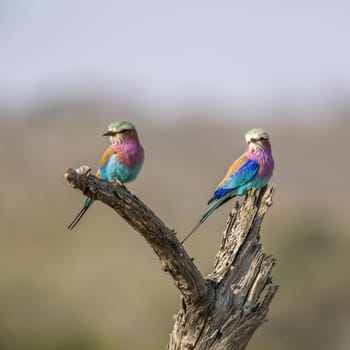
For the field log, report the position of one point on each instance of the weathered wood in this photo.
(223, 310)
(240, 278)
(173, 257)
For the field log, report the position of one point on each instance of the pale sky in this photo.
(241, 52)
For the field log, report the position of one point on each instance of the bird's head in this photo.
(119, 130)
(257, 139)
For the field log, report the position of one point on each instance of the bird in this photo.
(253, 169)
(121, 162)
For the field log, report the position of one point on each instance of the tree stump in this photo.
(223, 310)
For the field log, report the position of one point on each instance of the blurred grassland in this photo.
(100, 286)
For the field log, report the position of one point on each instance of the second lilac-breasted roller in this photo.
(253, 169)
(121, 162)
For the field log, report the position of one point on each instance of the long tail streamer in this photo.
(86, 206)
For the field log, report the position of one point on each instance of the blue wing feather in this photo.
(244, 174)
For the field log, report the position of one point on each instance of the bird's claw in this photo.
(118, 182)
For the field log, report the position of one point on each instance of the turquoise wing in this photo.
(240, 177)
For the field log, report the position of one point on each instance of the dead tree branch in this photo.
(223, 310)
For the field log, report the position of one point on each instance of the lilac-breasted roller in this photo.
(121, 162)
(253, 169)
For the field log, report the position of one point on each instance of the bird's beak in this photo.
(109, 133)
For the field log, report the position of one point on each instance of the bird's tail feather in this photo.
(210, 210)
(218, 203)
(86, 206)
(191, 232)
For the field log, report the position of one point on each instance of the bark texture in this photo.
(223, 310)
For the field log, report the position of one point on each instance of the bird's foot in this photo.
(118, 182)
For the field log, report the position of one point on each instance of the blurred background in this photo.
(193, 77)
